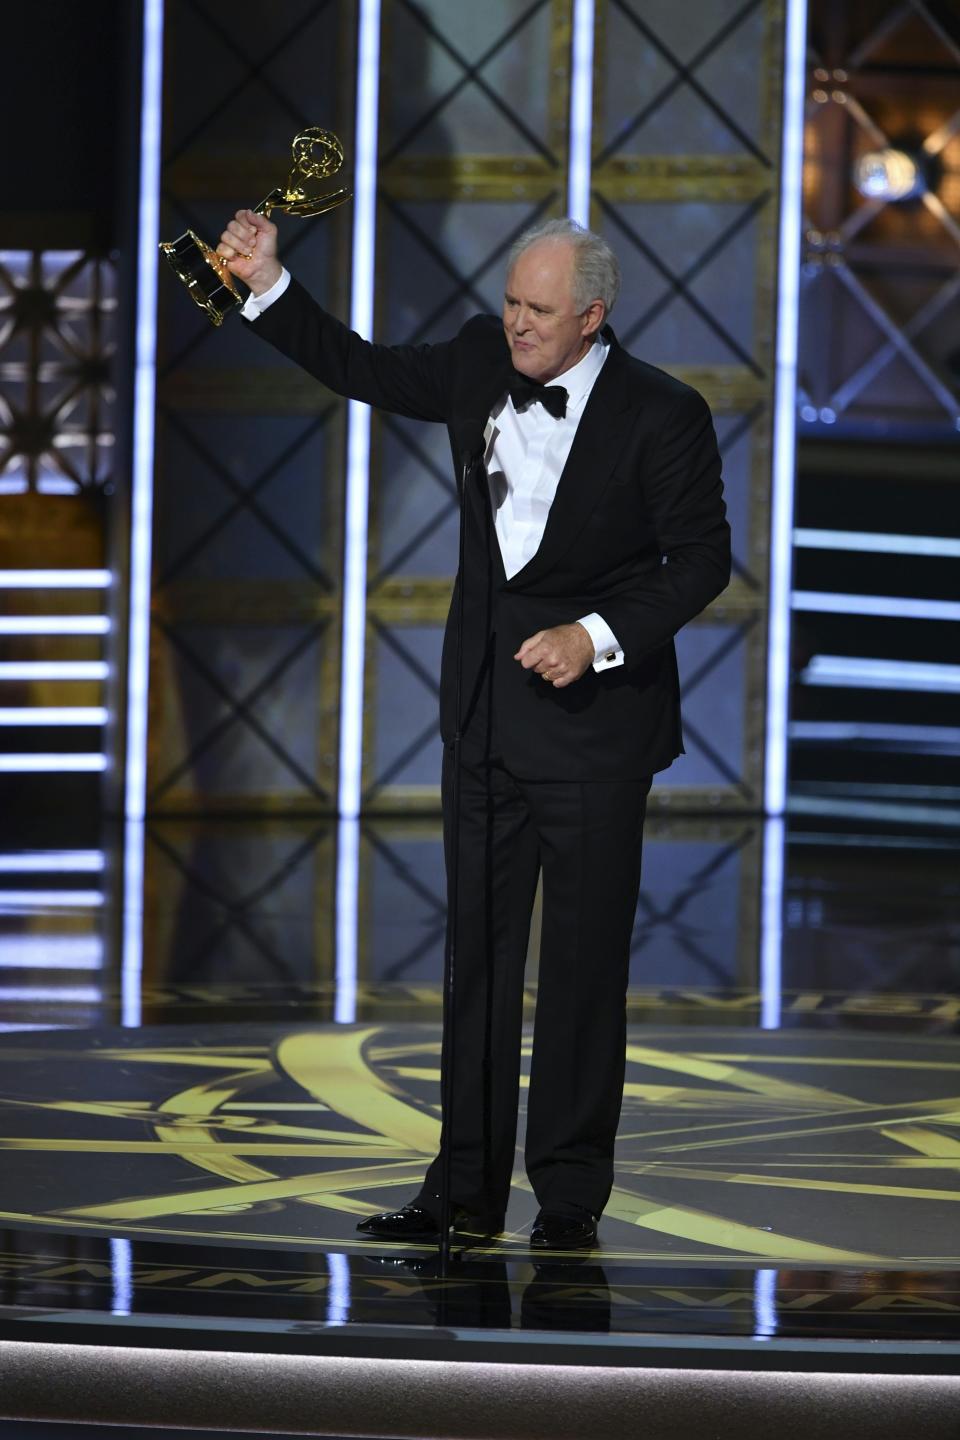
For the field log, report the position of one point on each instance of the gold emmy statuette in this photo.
(317, 154)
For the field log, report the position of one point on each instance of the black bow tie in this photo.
(524, 391)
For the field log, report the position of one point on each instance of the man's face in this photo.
(545, 334)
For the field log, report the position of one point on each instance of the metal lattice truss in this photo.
(705, 873)
(685, 223)
(473, 137)
(246, 597)
(685, 182)
(881, 281)
(250, 905)
(57, 311)
(470, 158)
(246, 904)
(698, 905)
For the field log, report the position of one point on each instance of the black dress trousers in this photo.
(587, 838)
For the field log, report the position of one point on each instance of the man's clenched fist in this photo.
(561, 654)
(249, 246)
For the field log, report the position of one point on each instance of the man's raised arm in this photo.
(411, 380)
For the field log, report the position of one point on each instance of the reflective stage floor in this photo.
(786, 1149)
(199, 1098)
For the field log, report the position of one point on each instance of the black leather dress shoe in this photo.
(412, 1222)
(564, 1232)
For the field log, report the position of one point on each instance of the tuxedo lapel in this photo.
(487, 385)
(601, 435)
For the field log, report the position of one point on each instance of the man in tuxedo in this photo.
(594, 529)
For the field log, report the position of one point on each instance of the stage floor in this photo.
(200, 1169)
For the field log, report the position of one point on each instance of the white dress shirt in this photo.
(254, 305)
(525, 455)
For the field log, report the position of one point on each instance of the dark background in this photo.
(65, 108)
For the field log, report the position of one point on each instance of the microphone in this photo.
(469, 447)
(470, 441)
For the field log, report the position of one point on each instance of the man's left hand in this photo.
(561, 654)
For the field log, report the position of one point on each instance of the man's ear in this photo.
(593, 317)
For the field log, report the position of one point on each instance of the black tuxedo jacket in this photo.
(637, 532)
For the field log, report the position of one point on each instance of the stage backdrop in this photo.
(474, 118)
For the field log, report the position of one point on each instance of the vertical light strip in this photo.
(144, 400)
(771, 922)
(765, 1304)
(358, 415)
(338, 1292)
(581, 112)
(347, 939)
(121, 1271)
(141, 516)
(784, 416)
(131, 962)
(355, 527)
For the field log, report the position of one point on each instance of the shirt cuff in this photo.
(254, 305)
(606, 647)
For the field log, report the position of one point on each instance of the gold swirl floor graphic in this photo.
(736, 1146)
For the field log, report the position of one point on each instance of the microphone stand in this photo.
(448, 1041)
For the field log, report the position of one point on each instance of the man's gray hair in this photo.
(596, 273)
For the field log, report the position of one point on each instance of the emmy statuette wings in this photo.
(317, 155)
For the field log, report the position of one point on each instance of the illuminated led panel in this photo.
(356, 518)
